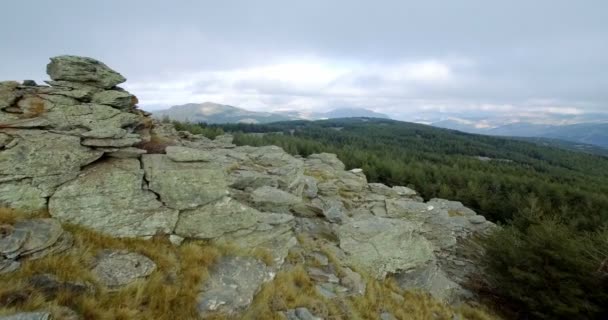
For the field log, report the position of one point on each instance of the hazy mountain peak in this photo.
(211, 112)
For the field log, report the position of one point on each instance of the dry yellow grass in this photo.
(171, 291)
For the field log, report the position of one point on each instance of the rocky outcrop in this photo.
(29, 240)
(80, 149)
(118, 268)
(108, 197)
(232, 285)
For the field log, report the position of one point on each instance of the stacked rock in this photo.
(31, 239)
(47, 133)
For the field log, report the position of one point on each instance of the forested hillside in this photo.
(446, 163)
(550, 259)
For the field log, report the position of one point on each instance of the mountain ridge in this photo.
(210, 112)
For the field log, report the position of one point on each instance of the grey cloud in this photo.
(520, 50)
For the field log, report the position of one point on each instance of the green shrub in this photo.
(547, 269)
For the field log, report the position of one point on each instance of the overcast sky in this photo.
(405, 58)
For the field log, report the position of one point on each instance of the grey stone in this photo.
(108, 197)
(8, 93)
(128, 152)
(184, 185)
(40, 153)
(381, 245)
(105, 133)
(380, 188)
(8, 265)
(115, 269)
(65, 242)
(43, 233)
(404, 191)
(319, 275)
(82, 69)
(477, 219)
(22, 195)
(387, 316)
(430, 278)
(272, 199)
(326, 291)
(11, 239)
(28, 316)
(119, 142)
(29, 83)
(50, 286)
(333, 209)
(274, 233)
(89, 116)
(326, 159)
(353, 281)
(232, 284)
(114, 98)
(319, 258)
(300, 314)
(215, 219)
(310, 187)
(183, 154)
(244, 179)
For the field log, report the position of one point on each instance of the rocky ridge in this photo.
(80, 149)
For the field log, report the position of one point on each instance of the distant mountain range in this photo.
(210, 112)
(585, 133)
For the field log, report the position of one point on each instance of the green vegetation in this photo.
(549, 260)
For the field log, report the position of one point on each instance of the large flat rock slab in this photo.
(42, 153)
(232, 284)
(85, 70)
(115, 269)
(184, 185)
(382, 245)
(108, 197)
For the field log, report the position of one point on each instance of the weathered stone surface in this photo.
(89, 116)
(300, 314)
(273, 233)
(120, 142)
(105, 133)
(22, 195)
(404, 191)
(320, 275)
(11, 239)
(381, 245)
(28, 316)
(114, 98)
(184, 185)
(333, 209)
(77, 90)
(41, 153)
(8, 93)
(353, 281)
(232, 284)
(274, 200)
(8, 265)
(310, 189)
(325, 161)
(430, 278)
(244, 180)
(183, 154)
(82, 69)
(128, 152)
(217, 218)
(119, 268)
(387, 316)
(108, 197)
(50, 286)
(43, 233)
